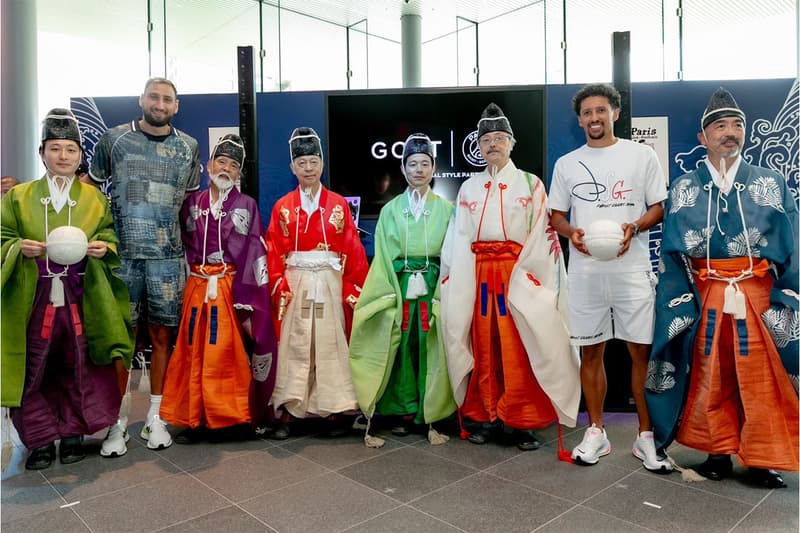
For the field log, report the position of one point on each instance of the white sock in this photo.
(155, 406)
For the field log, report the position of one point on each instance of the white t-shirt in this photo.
(617, 182)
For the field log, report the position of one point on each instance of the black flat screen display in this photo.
(366, 131)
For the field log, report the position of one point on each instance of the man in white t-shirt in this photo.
(621, 181)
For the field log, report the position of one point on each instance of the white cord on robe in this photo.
(212, 287)
(733, 300)
(56, 285)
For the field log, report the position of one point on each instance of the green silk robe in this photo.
(106, 306)
(376, 335)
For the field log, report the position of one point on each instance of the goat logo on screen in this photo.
(471, 150)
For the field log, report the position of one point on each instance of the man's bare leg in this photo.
(155, 429)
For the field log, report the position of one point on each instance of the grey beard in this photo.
(223, 184)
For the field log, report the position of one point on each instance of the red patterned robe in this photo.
(314, 288)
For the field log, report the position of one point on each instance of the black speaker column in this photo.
(247, 119)
(621, 50)
(616, 361)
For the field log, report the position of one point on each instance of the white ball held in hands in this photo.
(66, 245)
(602, 238)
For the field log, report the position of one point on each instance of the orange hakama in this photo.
(210, 352)
(740, 399)
(502, 385)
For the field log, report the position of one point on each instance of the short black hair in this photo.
(159, 81)
(596, 89)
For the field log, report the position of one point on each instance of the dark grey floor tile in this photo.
(232, 519)
(61, 520)
(543, 471)
(192, 456)
(406, 473)
(763, 520)
(402, 520)
(27, 494)
(657, 503)
(96, 475)
(339, 452)
(326, 503)
(150, 506)
(581, 519)
(486, 503)
(737, 486)
(249, 475)
(784, 500)
(471, 455)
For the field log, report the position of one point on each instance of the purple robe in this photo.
(240, 230)
(65, 394)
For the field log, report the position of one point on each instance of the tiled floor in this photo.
(314, 484)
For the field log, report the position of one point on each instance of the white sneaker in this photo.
(594, 445)
(114, 443)
(156, 434)
(644, 448)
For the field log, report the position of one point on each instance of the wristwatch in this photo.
(635, 229)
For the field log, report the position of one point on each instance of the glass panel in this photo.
(158, 54)
(672, 46)
(512, 47)
(385, 71)
(313, 53)
(272, 50)
(359, 54)
(440, 61)
(590, 24)
(201, 43)
(106, 31)
(554, 36)
(467, 57)
(735, 40)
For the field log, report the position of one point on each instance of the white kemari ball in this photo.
(602, 239)
(67, 245)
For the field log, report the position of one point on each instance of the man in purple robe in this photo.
(211, 383)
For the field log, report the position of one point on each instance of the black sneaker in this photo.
(336, 426)
(400, 430)
(41, 458)
(716, 467)
(281, 432)
(191, 435)
(768, 479)
(71, 450)
(481, 436)
(527, 440)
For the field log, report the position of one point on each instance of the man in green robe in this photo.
(396, 351)
(65, 315)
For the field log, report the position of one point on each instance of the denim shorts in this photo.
(158, 281)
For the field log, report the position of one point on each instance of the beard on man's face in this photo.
(150, 119)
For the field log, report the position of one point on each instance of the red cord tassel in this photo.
(563, 453)
(464, 434)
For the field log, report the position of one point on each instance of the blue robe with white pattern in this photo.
(770, 213)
